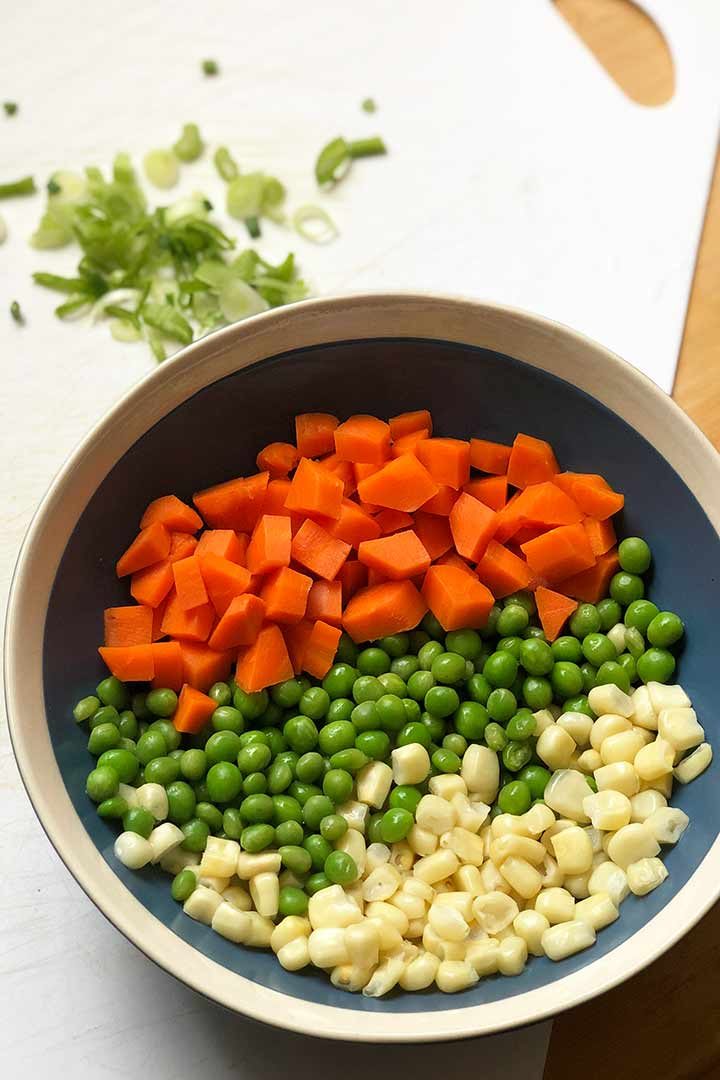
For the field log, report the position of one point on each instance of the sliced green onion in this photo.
(369, 105)
(314, 224)
(225, 164)
(25, 186)
(3, 230)
(244, 196)
(210, 67)
(333, 162)
(156, 346)
(60, 284)
(161, 168)
(168, 321)
(17, 313)
(74, 307)
(189, 146)
(213, 273)
(192, 206)
(53, 187)
(273, 197)
(10, 107)
(367, 147)
(246, 264)
(124, 330)
(252, 224)
(238, 300)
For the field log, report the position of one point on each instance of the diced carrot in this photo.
(352, 577)
(363, 469)
(402, 484)
(314, 433)
(159, 615)
(203, 666)
(130, 625)
(554, 610)
(240, 625)
(508, 519)
(455, 599)
(434, 534)
(442, 503)
(398, 556)
(192, 625)
(325, 602)
(189, 583)
(265, 662)
(278, 459)
(559, 553)
(315, 549)
(315, 490)
(224, 542)
(236, 504)
(343, 469)
(408, 422)
(168, 660)
(490, 490)
(502, 571)
(224, 580)
(407, 444)
(447, 460)
(592, 584)
(173, 514)
(149, 546)
(363, 438)
(151, 585)
(379, 610)
(320, 649)
(451, 558)
(527, 532)
(275, 496)
(601, 534)
(129, 663)
(489, 457)
(269, 547)
(375, 576)
(193, 711)
(546, 504)
(531, 461)
(285, 593)
(596, 498)
(391, 521)
(472, 525)
(296, 639)
(353, 525)
(182, 546)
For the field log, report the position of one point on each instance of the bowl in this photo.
(483, 370)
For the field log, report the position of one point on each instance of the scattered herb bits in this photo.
(16, 313)
(10, 107)
(369, 105)
(210, 67)
(25, 186)
(337, 156)
(189, 146)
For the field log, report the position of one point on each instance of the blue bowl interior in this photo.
(471, 392)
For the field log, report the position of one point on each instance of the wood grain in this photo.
(664, 1022)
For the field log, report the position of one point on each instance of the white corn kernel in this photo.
(422, 841)
(616, 634)
(220, 857)
(295, 955)
(327, 947)
(484, 956)
(471, 816)
(354, 894)
(203, 903)
(416, 928)
(523, 847)
(543, 719)
(508, 824)
(261, 930)
(512, 955)
(573, 850)
(350, 977)
(680, 727)
(385, 976)
(291, 927)
(624, 746)
(578, 885)
(238, 896)
(530, 925)
(436, 867)
(608, 810)
(556, 904)
(415, 887)
(597, 910)
(250, 865)
(645, 875)
(133, 850)
(373, 783)
(468, 880)
(355, 813)
(332, 908)
(153, 797)
(353, 843)
(397, 919)
(568, 938)
(390, 939)
(401, 855)
(231, 923)
(445, 785)
(655, 759)
(382, 883)
(435, 814)
(265, 894)
(555, 747)
(537, 819)
(447, 922)
(376, 855)
(611, 879)
(564, 794)
(667, 697)
(468, 847)
(413, 906)
(589, 761)
(129, 794)
(165, 838)
(552, 876)
(494, 911)
(177, 859)
(595, 839)
(410, 764)
(481, 771)
(620, 776)
(555, 828)
(460, 901)
(420, 972)
(454, 975)
(578, 726)
(522, 876)
(607, 725)
(667, 824)
(644, 715)
(432, 942)
(663, 784)
(609, 698)
(362, 941)
(631, 843)
(646, 803)
(491, 878)
(218, 884)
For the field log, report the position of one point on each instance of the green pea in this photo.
(128, 744)
(169, 732)
(309, 767)
(287, 808)
(296, 859)
(404, 667)
(254, 758)
(436, 729)
(470, 720)
(584, 620)
(162, 770)
(414, 732)
(626, 587)
(302, 792)
(589, 676)
(193, 765)
(106, 714)
(567, 649)
(536, 778)
(139, 820)
(441, 701)
(301, 734)
(390, 712)
(347, 650)
(231, 823)
(466, 643)
(161, 702)
(181, 802)
(395, 825)
(612, 672)
(319, 806)
(516, 755)
(252, 706)
(222, 746)
(373, 661)
(103, 737)
(536, 657)
(365, 716)
(289, 833)
(634, 642)
(478, 688)
(610, 613)
(405, 797)
(488, 630)
(112, 692)
(579, 703)
(634, 555)
(86, 708)
(537, 692)
(665, 629)
(228, 718)
(432, 627)
(113, 808)
(639, 614)
(221, 693)
(373, 829)
(521, 726)
(315, 703)
(127, 725)
(598, 649)
(316, 882)
(627, 662)
(287, 694)
(655, 665)
(526, 600)
(288, 757)
(566, 679)
(318, 849)
(535, 632)
(512, 620)
(209, 815)
(500, 669)
(256, 838)
(273, 716)
(367, 688)
(138, 706)
(352, 760)
(448, 668)
(279, 778)
(196, 833)
(374, 744)
(513, 645)
(333, 827)
(455, 742)
(412, 710)
(224, 782)
(446, 761)
(122, 762)
(102, 783)
(501, 705)
(395, 644)
(495, 737)
(393, 685)
(292, 901)
(340, 709)
(183, 886)
(249, 738)
(429, 653)
(255, 783)
(257, 809)
(337, 735)
(514, 798)
(151, 744)
(419, 684)
(201, 791)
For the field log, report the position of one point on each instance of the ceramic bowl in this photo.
(483, 370)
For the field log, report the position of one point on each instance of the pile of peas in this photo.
(273, 767)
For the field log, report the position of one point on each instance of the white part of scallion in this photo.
(123, 330)
(238, 300)
(245, 196)
(115, 296)
(161, 168)
(314, 224)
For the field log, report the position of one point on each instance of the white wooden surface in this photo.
(518, 172)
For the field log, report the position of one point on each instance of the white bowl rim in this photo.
(540, 342)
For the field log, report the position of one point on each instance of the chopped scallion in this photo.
(25, 186)
(10, 107)
(168, 321)
(367, 147)
(210, 67)
(333, 162)
(225, 164)
(244, 196)
(369, 105)
(161, 168)
(314, 224)
(17, 313)
(252, 224)
(189, 146)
